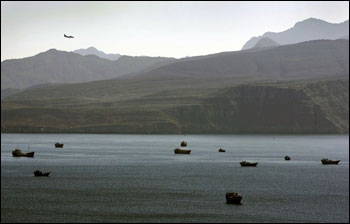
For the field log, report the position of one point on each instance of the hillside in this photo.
(300, 88)
(55, 66)
(255, 108)
(309, 29)
(307, 60)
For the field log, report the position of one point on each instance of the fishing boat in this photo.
(183, 144)
(58, 145)
(181, 151)
(286, 158)
(328, 161)
(38, 173)
(245, 163)
(18, 153)
(233, 198)
(222, 150)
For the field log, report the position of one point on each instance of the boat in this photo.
(183, 144)
(233, 198)
(286, 158)
(58, 145)
(328, 161)
(222, 150)
(245, 163)
(182, 151)
(38, 173)
(18, 153)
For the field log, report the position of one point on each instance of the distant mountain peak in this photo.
(266, 42)
(312, 19)
(52, 50)
(310, 22)
(306, 30)
(94, 51)
(57, 66)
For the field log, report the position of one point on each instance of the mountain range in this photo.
(85, 65)
(59, 67)
(296, 88)
(309, 29)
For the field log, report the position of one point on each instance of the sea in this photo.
(138, 178)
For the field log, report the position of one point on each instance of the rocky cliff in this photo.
(291, 108)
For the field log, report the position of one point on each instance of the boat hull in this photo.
(233, 198)
(57, 145)
(40, 174)
(248, 164)
(21, 154)
(182, 151)
(330, 162)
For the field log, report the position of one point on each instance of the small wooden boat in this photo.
(222, 150)
(183, 144)
(233, 198)
(245, 163)
(286, 158)
(328, 161)
(58, 145)
(19, 153)
(38, 173)
(181, 151)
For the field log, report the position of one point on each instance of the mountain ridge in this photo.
(309, 29)
(94, 51)
(257, 63)
(55, 66)
(296, 88)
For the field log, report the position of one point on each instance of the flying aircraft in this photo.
(68, 36)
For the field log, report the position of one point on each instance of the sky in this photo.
(160, 28)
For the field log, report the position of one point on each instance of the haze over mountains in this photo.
(54, 66)
(309, 29)
(57, 67)
(271, 88)
(300, 88)
(307, 60)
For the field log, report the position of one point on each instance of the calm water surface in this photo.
(138, 178)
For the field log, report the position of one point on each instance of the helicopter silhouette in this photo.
(68, 36)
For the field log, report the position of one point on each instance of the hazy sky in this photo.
(172, 29)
